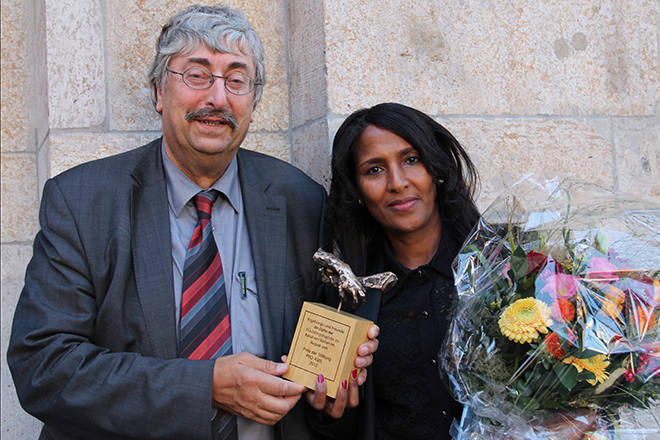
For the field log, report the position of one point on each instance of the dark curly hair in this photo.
(352, 231)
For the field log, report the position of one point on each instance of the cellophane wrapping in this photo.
(556, 331)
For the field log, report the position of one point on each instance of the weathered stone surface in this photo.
(307, 61)
(76, 63)
(505, 149)
(312, 151)
(276, 145)
(23, 77)
(14, 68)
(19, 197)
(637, 150)
(133, 27)
(498, 57)
(68, 150)
(16, 424)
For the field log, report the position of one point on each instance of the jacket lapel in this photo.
(152, 252)
(266, 220)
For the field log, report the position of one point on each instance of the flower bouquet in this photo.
(556, 331)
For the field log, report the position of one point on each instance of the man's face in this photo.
(191, 141)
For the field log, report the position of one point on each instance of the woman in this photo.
(401, 200)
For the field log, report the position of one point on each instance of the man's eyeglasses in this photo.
(202, 79)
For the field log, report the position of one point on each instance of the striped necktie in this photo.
(204, 330)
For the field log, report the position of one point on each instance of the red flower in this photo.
(554, 346)
(536, 261)
(630, 376)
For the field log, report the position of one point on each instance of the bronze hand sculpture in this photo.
(339, 274)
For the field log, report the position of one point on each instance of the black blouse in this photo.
(411, 400)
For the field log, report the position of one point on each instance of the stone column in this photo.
(24, 158)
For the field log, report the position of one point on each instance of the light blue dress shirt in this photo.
(230, 232)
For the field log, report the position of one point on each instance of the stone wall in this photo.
(571, 87)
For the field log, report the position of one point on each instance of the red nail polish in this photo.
(344, 384)
(354, 373)
(321, 379)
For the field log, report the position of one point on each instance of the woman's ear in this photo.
(359, 195)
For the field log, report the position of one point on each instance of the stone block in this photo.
(23, 77)
(307, 61)
(14, 69)
(19, 211)
(16, 424)
(637, 152)
(500, 57)
(312, 151)
(70, 149)
(505, 149)
(133, 27)
(272, 144)
(76, 64)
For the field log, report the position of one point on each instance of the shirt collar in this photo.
(180, 189)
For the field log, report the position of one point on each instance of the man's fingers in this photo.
(373, 332)
(266, 366)
(249, 387)
(274, 408)
(362, 377)
(276, 387)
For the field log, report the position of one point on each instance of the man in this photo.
(101, 340)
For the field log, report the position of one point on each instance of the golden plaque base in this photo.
(325, 342)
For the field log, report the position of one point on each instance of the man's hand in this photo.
(348, 394)
(248, 386)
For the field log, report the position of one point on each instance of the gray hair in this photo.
(219, 28)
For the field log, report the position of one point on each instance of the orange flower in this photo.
(554, 346)
(563, 310)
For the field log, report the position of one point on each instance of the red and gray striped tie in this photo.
(204, 331)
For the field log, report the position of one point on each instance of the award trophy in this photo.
(326, 340)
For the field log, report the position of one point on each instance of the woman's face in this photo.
(394, 184)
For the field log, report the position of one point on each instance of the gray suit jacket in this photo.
(93, 350)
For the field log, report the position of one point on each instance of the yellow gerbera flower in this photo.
(523, 320)
(596, 365)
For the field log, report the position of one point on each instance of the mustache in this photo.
(204, 113)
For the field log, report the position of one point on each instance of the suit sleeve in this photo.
(68, 379)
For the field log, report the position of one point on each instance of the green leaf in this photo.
(526, 287)
(586, 375)
(519, 264)
(567, 375)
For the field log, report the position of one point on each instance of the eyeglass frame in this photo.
(213, 77)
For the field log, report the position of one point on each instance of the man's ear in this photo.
(159, 99)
